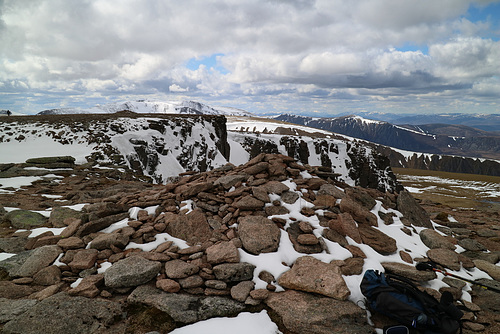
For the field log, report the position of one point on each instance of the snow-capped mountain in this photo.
(151, 107)
(485, 122)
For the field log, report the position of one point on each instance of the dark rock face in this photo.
(366, 166)
(146, 144)
(444, 163)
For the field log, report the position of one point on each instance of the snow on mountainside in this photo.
(435, 138)
(165, 146)
(151, 107)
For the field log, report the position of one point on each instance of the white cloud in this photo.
(467, 58)
(144, 67)
(271, 49)
(176, 88)
(333, 63)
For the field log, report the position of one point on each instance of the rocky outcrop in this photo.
(443, 163)
(366, 167)
(139, 142)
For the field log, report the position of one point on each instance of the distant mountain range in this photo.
(151, 107)
(486, 122)
(431, 138)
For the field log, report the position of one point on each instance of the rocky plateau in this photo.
(137, 257)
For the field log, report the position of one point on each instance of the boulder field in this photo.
(159, 257)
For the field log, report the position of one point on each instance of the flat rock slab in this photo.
(312, 275)
(312, 314)
(185, 308)
(131, 271)
(64, 314)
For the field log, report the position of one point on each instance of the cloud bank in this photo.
(301, 56)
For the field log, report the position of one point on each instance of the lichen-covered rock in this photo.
(60, 214)
(25, 219)
(234, 272)
(10, 308)
(130, 272)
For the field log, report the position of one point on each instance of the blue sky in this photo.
(313, 57)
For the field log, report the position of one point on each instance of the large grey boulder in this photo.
(11, 265)
(185, 308)
(130, 272)
(40, 258)
(64, 314)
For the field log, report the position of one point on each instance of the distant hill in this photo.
(486, 122)
(431, 138)
(151, 107)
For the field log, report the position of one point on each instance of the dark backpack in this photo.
(399, 299)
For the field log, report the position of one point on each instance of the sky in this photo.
(310, 57)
